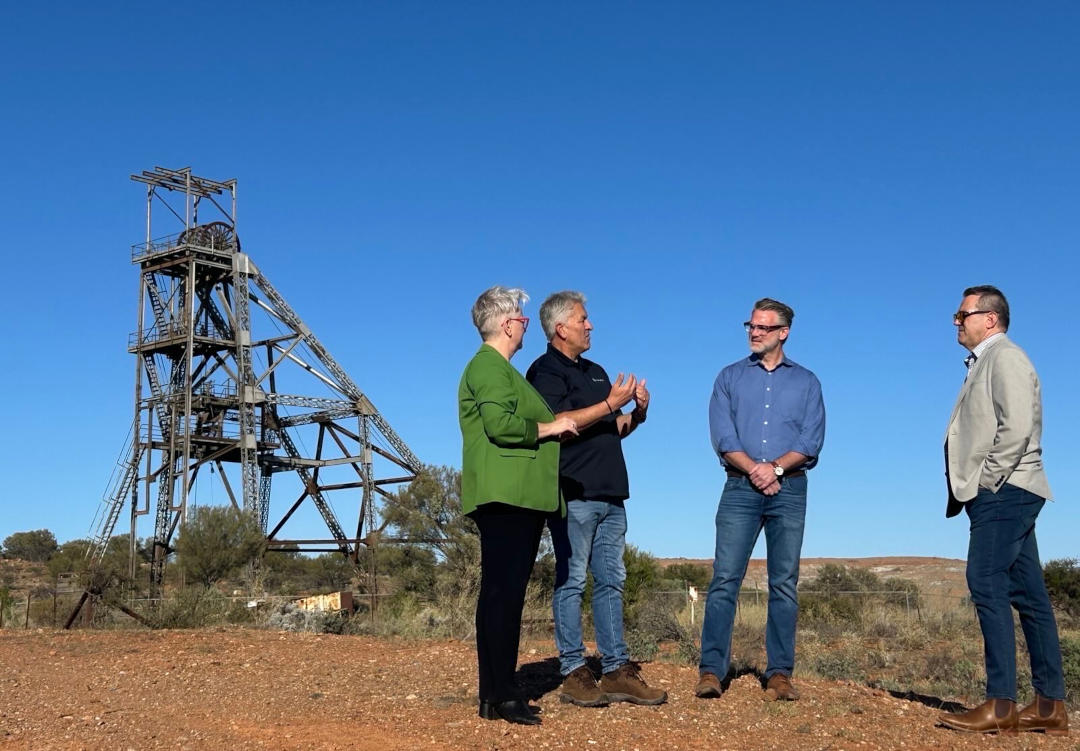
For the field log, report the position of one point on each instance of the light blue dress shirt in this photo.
(767, 413)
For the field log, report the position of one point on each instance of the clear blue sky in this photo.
(862, 161)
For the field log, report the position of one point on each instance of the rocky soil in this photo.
(247, 689)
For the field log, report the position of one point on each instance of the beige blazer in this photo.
(995, 429)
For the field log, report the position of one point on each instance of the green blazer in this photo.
(502, 460)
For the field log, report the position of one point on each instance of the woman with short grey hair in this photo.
(509, 484)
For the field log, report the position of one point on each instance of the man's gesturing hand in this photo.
(641, 398)
(621, 391)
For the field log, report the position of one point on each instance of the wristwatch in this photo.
(777, 469)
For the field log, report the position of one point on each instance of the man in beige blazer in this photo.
(994, 472)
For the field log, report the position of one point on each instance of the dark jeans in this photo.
(1003, 570)
(509, 539)
(740, 517)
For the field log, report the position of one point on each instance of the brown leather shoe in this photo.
(1046, 715)
(992, 716)
(580, 688)
(708, 687)
(779, 688)
(625, 684)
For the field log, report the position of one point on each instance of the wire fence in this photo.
(50, 608)
(912, 606)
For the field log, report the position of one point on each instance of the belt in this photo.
(737, 473)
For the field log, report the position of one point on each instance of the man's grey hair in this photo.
(494, 305)
(783, 312)
(556, 308)
(992, 298)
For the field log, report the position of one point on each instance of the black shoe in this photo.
(513, 710)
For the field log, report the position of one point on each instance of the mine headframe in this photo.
(231, 383)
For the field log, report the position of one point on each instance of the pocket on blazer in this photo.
(520, 453)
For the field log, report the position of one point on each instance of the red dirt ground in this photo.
(249, 689)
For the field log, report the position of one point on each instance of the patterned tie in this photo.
(969, 361)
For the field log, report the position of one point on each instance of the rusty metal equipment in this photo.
(230, 382)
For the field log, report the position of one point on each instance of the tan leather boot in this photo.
(1046, 715)
(992, 716)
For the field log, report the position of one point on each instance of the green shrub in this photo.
(642, 573)
(839, 594)
(1063, 585)
(838, 664)
(900, 592)
(1070, 657)
(37, 545)
(643, 646)
(193, 607)
(695, 574)
(7, 601)
(830, 609)
(216, 542)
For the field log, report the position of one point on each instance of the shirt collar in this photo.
(553, 350)
(982, 346)
(755, 360)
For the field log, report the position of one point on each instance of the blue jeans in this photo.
(1003, 570)
(740, 516)
(592, 536)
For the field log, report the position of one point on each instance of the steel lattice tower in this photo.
(226, 381)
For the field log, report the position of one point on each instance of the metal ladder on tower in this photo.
(121, 482)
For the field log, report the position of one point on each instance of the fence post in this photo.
(26, 623)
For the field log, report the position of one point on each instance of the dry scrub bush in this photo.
(198, 607)
(843, 663)
(1070, 657)
(661, 617)
(286, 616)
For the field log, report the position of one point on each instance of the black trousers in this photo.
(509, 539)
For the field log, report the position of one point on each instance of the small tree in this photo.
(216, 542)
(333, 571)
(642, 573)
(37, 546)
(428, 512)
(412, 568)
(1063, 585)
(285, 571)
(71, 556)
(694, 574)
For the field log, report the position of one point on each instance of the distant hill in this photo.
(935, 576)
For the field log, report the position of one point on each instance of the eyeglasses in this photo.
(752, 327)
(523, 321)
(962, 315)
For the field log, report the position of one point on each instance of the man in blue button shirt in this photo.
(767, 422)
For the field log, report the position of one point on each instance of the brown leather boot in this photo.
(992, 716)
(779, 688)
(708, 687)
(625, 684)
(580, 688)
(1047, 715)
